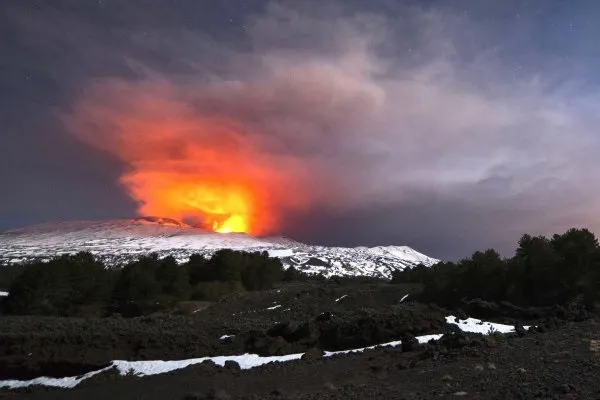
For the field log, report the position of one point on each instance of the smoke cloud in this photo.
(340, 126)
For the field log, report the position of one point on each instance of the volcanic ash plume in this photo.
(315, 114)
(185, 164)
(235, 154)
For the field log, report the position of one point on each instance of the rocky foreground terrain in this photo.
(557, 359)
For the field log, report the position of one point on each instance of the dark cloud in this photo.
(436, 127)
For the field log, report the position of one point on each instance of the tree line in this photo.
(543, 272)
(80, 285)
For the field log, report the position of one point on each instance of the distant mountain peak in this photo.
(118, 241)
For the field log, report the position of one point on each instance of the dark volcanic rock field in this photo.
(558, 360)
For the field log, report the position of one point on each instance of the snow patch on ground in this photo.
(281, 253)
(246, 361)
(155, 367)
(475, 325)
(66, 383)
(421, 339)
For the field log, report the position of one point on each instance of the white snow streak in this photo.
(475, 325)
(344, 296)
(421, 339)
(67, 383)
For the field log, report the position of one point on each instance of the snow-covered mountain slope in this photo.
(118, 241)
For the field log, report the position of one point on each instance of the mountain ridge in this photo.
(121, 240)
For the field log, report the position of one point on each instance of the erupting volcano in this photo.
(216, 204)
(209, 169)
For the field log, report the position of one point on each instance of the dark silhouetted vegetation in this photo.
(8, 273)
(293, 274)
(356, 280)
(80, 285)
(543, 272)
(66, 285)
(230, 271)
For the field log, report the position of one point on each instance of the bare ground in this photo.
(561, 363)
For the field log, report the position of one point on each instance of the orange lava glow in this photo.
(211, 170)
(218, 204)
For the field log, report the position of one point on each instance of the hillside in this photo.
(119, 241)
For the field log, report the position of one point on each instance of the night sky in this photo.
(448, 126)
